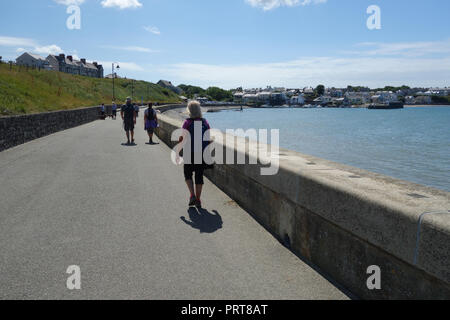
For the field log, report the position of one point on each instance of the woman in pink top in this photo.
(190, 166)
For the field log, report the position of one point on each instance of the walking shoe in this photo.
(192, 201)
(198, 204)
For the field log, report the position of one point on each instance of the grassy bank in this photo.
(25, 91)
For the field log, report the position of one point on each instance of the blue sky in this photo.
(250, 43)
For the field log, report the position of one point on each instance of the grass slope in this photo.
(25, 91)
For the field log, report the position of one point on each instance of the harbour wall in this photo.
(343, 220)
(17, 130)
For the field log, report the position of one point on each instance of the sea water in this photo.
(411, 144)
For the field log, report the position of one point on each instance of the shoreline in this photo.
(425, 105)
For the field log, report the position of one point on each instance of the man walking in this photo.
(102, 112)
(136, 109)
(114, 110)
(129, 119)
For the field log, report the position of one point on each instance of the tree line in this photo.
(212, 93)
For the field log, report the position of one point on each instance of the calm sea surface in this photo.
(411, 144)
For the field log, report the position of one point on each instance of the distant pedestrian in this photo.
(114, 110)
(102, 111)
(190, 167)
(136, 108)
(128, 115)
(151, 121)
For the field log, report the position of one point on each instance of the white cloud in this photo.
(138, 49)
(70, 2)
(375, 65)
(46, 50)
(130, 48)
(121, 4)
(16, 42)
(153, 30)
(24, 44)
(331, 71)
(408, 49)
(273, 4)
(124, 66)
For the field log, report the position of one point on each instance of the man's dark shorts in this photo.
(128, 125)
(151, 131)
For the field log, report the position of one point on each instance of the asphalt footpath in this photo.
(82, 198)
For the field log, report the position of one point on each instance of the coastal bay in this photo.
(411, 144)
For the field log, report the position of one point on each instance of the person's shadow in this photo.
(203, 220)
(132, 144)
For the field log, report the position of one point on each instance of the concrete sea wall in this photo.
(17, 130)
(344, 220)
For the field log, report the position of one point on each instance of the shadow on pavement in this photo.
(129, 145)
(203, 220)
(152, 144)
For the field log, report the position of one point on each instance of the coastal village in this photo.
(61, 63)
(335, 97)
(306, 97)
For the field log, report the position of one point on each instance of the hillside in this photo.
(33, 91)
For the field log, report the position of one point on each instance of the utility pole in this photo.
(113, 78)
(132, 89)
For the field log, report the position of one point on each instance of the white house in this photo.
(298, 100)
(250, 98)
(264, 96)
(384, 97)
(238, 97)
(308, 90)
(32, 60)
(358, 97)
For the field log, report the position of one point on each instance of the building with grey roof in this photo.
(168, 85)
(80, 67)
(32, 60)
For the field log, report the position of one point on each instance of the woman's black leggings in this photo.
(189, 169)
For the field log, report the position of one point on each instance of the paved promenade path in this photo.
(79, 197)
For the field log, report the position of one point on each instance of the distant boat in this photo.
(391, 105)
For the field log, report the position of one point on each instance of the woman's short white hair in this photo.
(194, 109)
